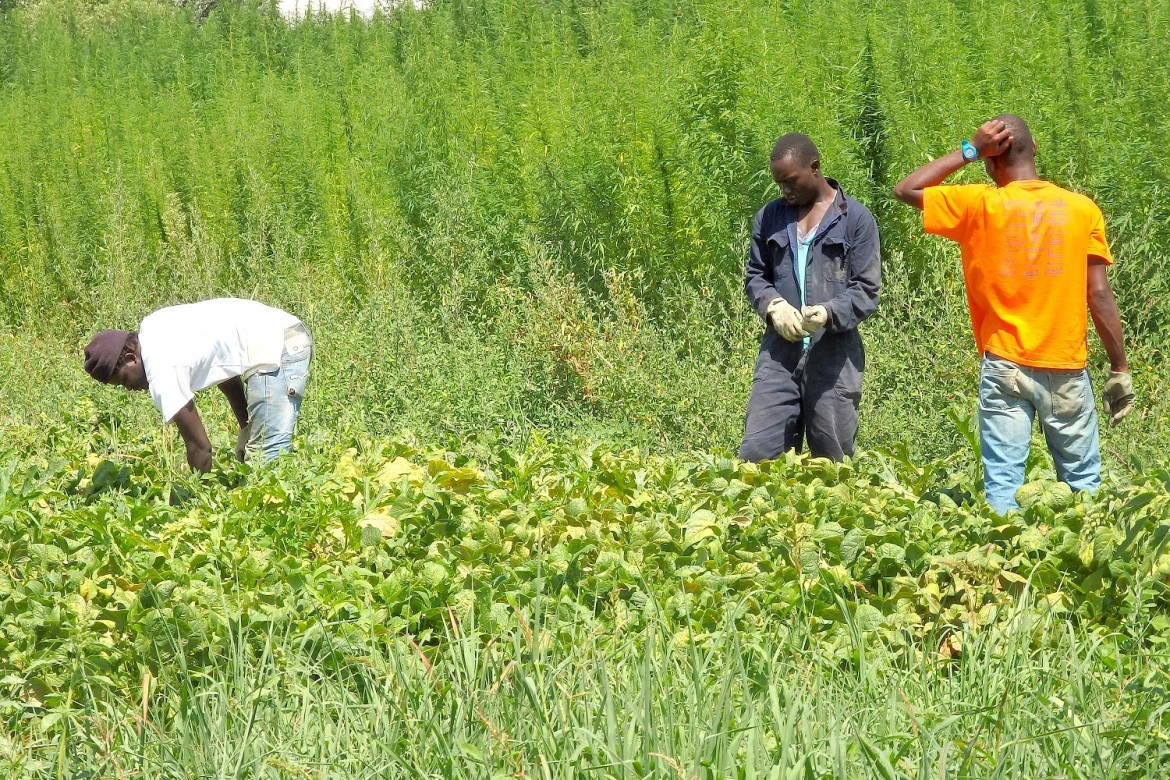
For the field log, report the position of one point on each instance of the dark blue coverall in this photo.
(813, 393)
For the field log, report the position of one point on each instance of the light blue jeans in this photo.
(1010, 396)
(274, 397)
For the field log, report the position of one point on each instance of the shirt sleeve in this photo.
(946, 211)
(170, 389)
(859, 299)
(1098, 246)
(758, 284)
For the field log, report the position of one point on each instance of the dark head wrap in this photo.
(103, 353)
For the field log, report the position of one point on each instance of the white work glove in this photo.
(242, 441)
(785, 319)
(813, 318)
(1118, 396)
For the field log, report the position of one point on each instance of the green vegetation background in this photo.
(510, 214)
(513, 226)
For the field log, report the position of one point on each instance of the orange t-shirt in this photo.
(1026, 250)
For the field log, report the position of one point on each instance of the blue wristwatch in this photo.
(970, 153)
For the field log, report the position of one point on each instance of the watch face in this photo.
(969, 152)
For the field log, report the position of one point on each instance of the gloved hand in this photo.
(785, 319)
(813, 318)
(242, 441)
(1118, 396)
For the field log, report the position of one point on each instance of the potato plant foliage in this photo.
(110, 567)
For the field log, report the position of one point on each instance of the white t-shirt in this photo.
(190, 347)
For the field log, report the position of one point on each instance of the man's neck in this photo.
(827, 193)
(1019, 173)
(825, 196)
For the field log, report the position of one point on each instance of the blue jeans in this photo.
(274, 397)
(1010, 396)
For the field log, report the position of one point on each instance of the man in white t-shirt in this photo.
(257, 355)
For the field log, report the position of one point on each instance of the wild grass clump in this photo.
(1031, 697)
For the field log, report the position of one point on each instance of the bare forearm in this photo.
(1106, 317)
(1107, 321)
(233, 390)
(910, 189)
(198, 446)
(991, 139)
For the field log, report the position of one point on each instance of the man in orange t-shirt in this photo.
(1034, 255)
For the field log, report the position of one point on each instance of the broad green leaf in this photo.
(853, 544)
(867, 617)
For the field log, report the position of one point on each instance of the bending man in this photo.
(256, 355)
(813, 274)
(1034, 255)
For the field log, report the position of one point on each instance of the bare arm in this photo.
(990, 139)
(233, 389)
(194, 437)
(1106, 317)
(934, 173)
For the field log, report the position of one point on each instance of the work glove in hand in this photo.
(242, 441)
(785, 319)
(1118, 396)
(813, 318)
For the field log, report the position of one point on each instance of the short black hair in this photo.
(798, 146)
(1023, 146)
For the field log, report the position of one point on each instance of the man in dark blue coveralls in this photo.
(813, 274)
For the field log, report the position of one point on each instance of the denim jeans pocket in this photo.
(1069, 394)
(294, 364)
(998, 387)
(297, 343)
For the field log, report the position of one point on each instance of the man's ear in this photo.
(130, 356)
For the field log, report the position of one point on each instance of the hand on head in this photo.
(992, 138)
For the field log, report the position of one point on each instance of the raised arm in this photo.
(194, 437)
(990, 139)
